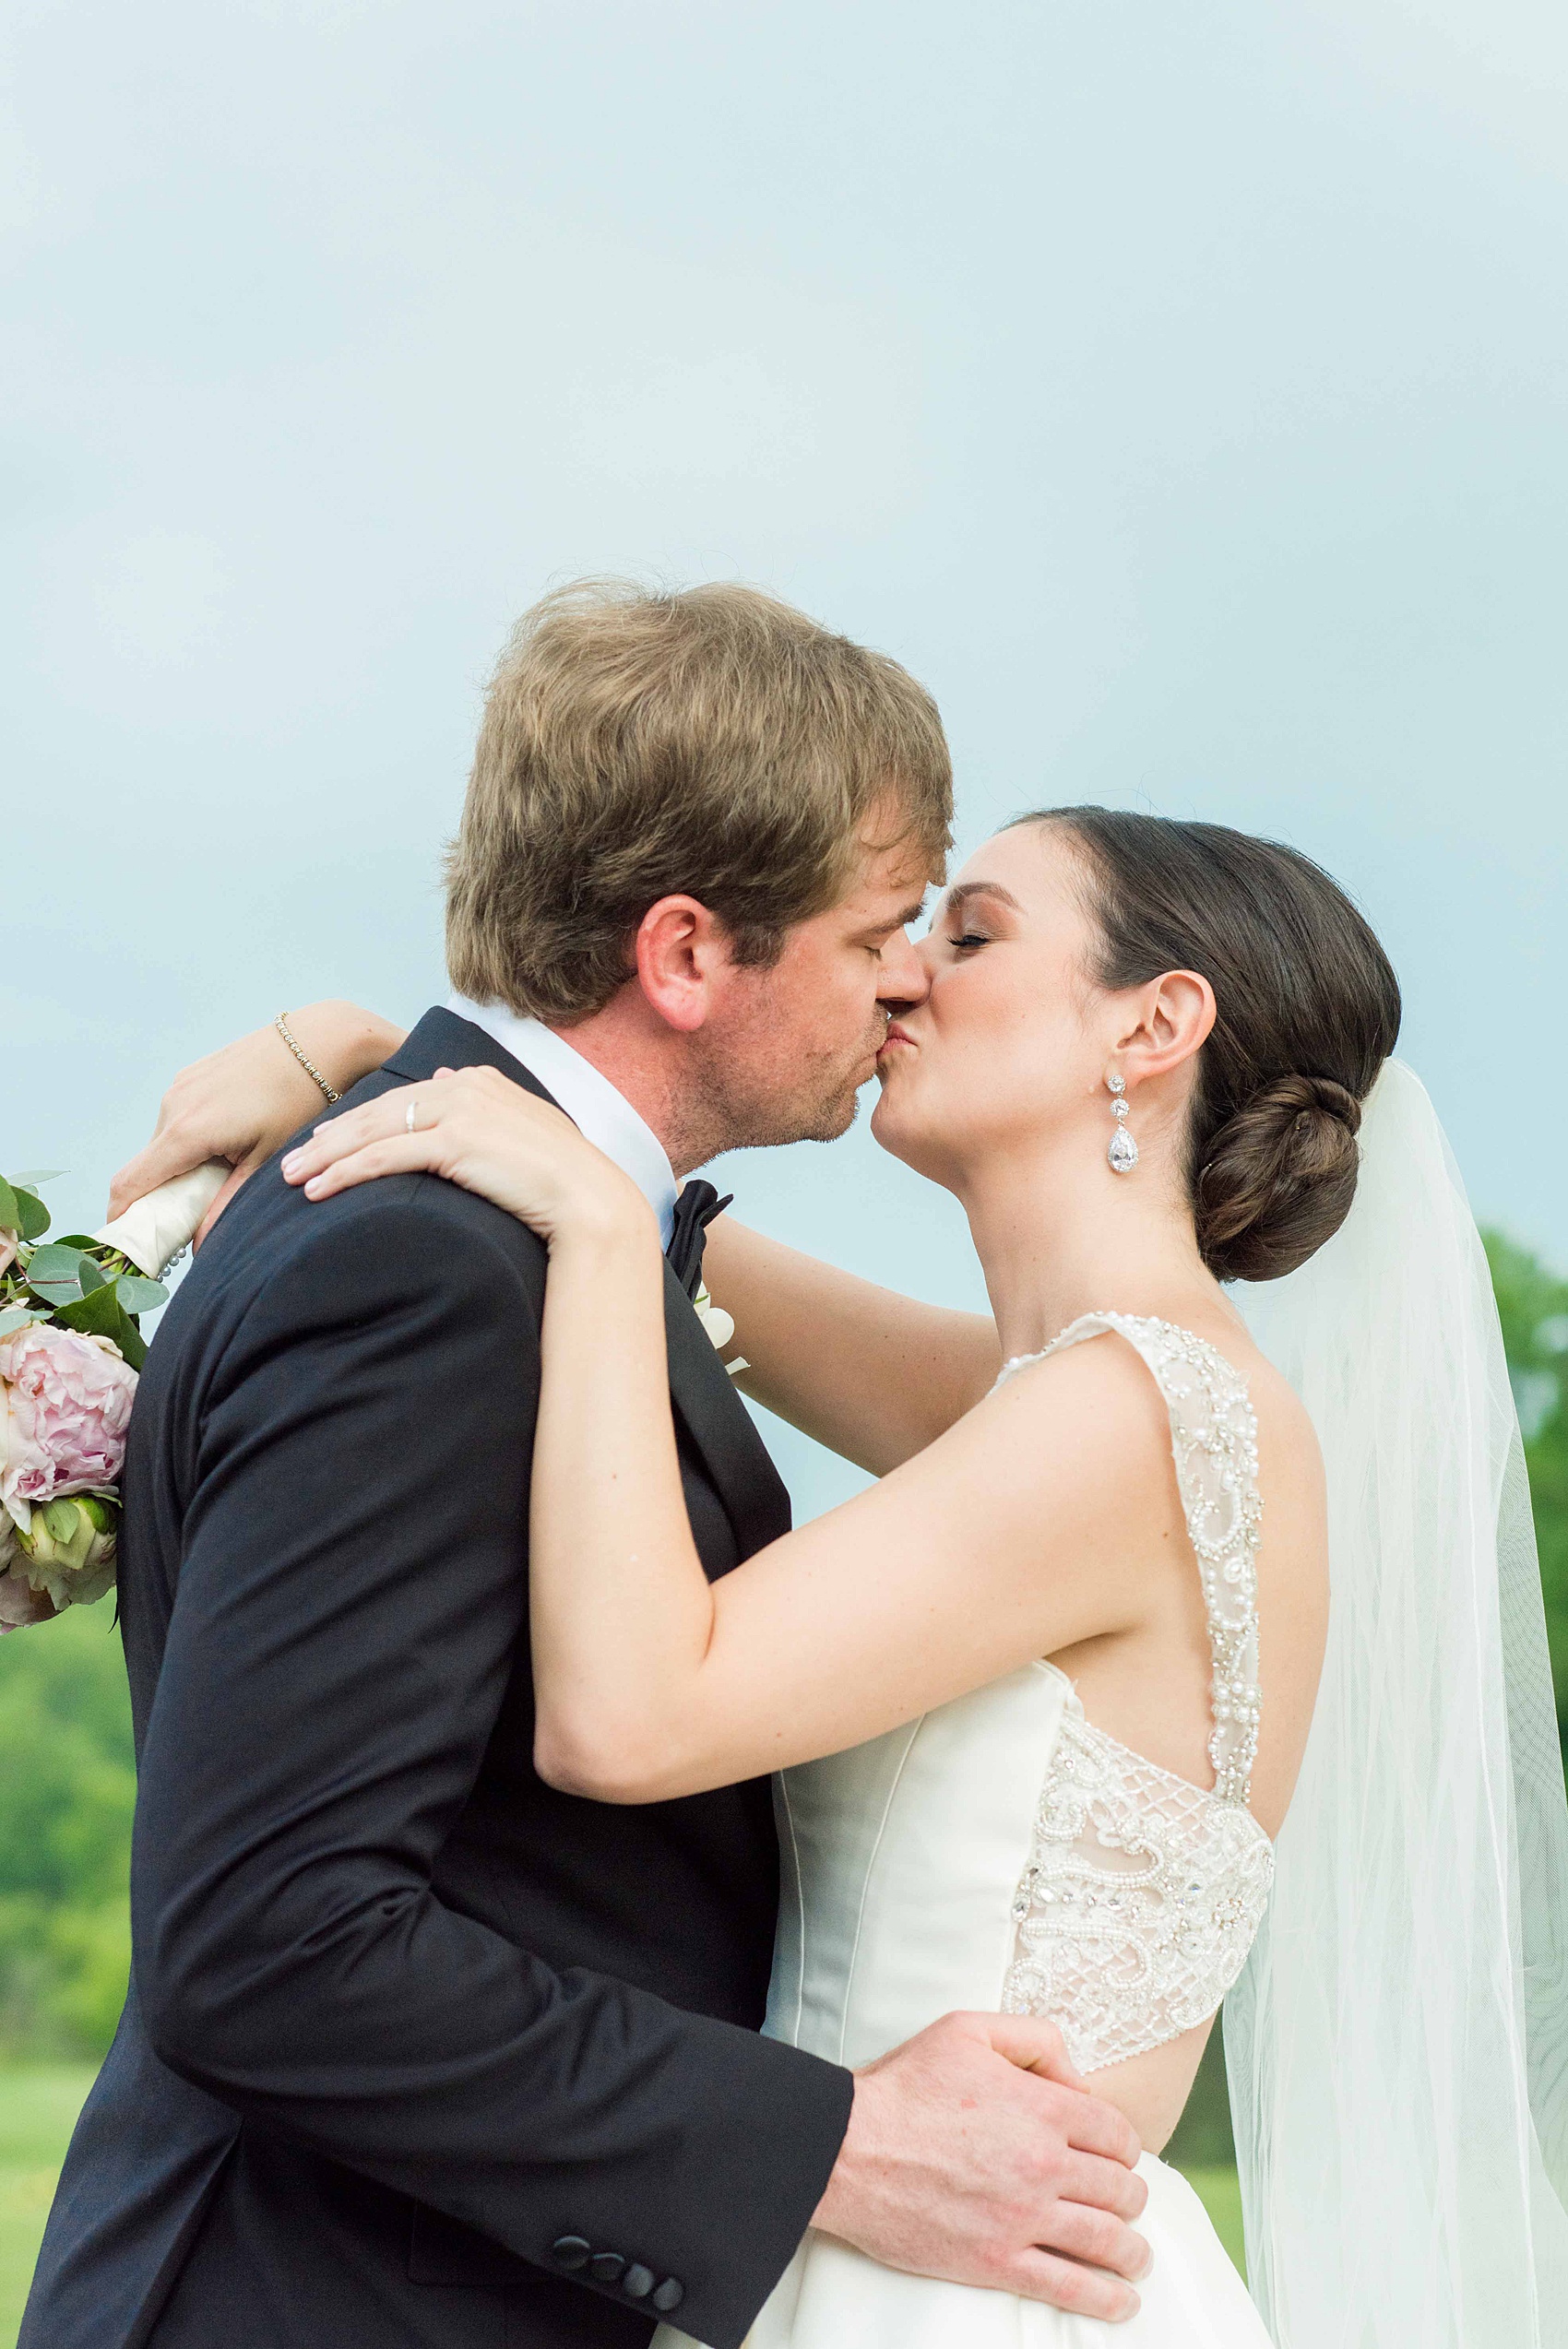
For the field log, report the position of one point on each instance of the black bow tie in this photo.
(695, 1210)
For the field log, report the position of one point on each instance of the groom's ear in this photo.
(684, 961)
(1174, 1016)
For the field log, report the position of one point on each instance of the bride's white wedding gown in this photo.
(1003, 1852)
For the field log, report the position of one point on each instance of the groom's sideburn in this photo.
(418, 2049)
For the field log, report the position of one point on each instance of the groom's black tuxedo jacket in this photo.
(418, 2050)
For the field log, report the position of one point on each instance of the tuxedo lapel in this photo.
(719, 1426)
(715, 1420)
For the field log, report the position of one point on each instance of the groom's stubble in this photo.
(800, 1039)
(759, 1106)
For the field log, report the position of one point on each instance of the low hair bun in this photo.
(1300, 981)
(1277, 1177)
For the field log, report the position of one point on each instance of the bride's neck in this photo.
(1058, 1238)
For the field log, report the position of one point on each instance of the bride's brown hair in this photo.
(1308, 1011)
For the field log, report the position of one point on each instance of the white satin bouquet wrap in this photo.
(70, 1351)
(1397, 2045)
(162, 1226)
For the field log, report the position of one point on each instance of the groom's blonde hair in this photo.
(639, 744)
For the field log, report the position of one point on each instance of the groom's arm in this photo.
(350, 1593)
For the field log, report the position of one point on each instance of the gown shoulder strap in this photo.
(1214, 1440)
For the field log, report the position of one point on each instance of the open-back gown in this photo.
(1003, 1852)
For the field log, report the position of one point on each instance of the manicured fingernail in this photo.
(291, 1161)
(314, 1187)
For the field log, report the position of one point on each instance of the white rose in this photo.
(70, 1549)
(719, 1326)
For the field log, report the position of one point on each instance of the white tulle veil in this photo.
(1397, 2048)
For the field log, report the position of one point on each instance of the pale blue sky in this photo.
(1179, 392)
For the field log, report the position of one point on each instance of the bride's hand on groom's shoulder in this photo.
(243, 1101)
(479, 1130)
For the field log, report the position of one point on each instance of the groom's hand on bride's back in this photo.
(974, 2154)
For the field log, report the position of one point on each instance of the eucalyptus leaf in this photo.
(89, 1274)
(98, 1314)
(36, 1219)
(37, 1174)
(58, 1256)
(21, 1209)
(16, 1317)
(138, 1295)
(54, 1272)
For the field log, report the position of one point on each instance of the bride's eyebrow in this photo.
(959, 898)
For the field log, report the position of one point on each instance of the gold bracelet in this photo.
(281, 1024)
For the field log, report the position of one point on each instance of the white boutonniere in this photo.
(719, 1326)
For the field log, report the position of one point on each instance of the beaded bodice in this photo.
(1002, 1851)
(1143, 1892)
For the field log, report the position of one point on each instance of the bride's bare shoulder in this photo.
(1099, 1405)
(1088, 1419)
(1095, 1381)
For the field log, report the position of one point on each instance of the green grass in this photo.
(1221, 2197)
(38, 2111)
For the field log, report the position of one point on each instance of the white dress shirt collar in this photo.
(589, 1099)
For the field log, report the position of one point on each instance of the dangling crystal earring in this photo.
(1123, 1151)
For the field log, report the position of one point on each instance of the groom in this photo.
(420, 2053)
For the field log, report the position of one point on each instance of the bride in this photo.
(1041, 1701)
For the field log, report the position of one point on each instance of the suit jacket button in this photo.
(669, 2295)
(638, 2281)
(605, 2267)
(570, 2251)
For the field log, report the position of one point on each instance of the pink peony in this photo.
(65, 1406)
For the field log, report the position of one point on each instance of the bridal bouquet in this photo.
(70, 1349)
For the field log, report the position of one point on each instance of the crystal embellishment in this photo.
(1123, 1151)
(1142, 1893)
